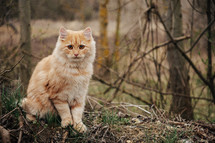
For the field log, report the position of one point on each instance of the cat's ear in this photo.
(63, 33)
(88, 33)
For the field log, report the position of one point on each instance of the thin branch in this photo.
(31, 55)
(181, 51)
(9, 70)
(146, 53)
(140, 85)
(8, 113)
(122, 90)
(121, 6)
(203, 32)
(21, 123)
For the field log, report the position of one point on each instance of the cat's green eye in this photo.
(70, 47)
(81, 47)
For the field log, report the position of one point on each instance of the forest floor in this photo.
(106, 123)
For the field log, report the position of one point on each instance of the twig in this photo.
(8, 113)
(203, 32)
(94, 100)
(137, 106)
(9, 70)
(20, 126)
(105, 133)
(89, 102)
(154, 112)
(26, 122)
(64, 137)
(121, 6)
(31, 55)
(40, 132)
(181, 51)
(140, 85)
(122, 90)
(133, 114)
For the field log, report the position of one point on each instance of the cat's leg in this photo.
(77, 112)
(64, 112)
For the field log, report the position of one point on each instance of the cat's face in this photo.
(75, 44)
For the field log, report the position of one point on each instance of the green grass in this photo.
(52, 119)
(74, 135)
(11, 99)
(111, 118)
(171, 137)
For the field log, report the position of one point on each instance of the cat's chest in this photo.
(78, 76)
(77, 87)
(77, 80)
(71, 81)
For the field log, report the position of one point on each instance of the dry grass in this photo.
(107, 123)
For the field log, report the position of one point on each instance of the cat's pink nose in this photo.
(76, 55)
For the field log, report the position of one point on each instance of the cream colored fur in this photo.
(59, 83)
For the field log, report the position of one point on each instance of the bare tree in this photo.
(117, 37)
(210, 75)
(25, 40)
(103, 18)
(179, 74)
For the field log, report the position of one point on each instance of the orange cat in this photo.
(59, 83)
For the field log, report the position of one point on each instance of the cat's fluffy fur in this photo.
(59, 83)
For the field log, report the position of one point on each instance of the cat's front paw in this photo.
(80, 127)
(66, 122)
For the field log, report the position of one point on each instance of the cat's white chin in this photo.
(76, 59)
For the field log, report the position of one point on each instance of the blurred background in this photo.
(150, 53)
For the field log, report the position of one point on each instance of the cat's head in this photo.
(76, 45)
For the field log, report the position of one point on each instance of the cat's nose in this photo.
(76, 55)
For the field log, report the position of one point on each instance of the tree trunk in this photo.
(179, 74)
(25, 41)
(209, 51)
(117, 38)
(103, 18)
(1, 102)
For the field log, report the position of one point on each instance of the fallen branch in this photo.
(65, 135)
(21, 122)
(8, 113)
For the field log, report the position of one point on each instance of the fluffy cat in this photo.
(59, 83)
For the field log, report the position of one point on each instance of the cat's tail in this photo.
(25, 107)
(24, 104)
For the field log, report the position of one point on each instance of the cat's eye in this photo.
(70, 47)
(81, 46)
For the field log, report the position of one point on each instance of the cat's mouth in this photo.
(76, 57)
